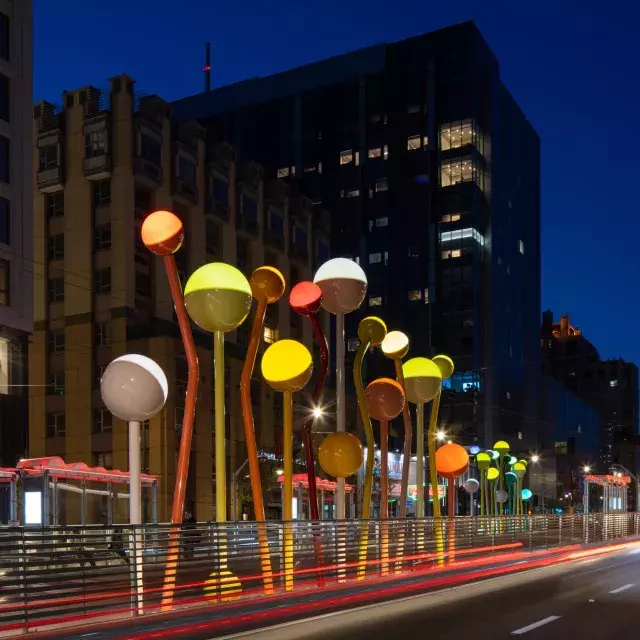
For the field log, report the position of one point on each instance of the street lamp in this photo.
(317, 412)
(587, 468)
(535, 458)
(441, 435)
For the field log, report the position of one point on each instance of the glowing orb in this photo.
(494, 454)
(452, 461)
(492, 474)
(512, 460)
(340, 455)
(483, 460)
(373, 330)
(343, 284)
(218, 297)
(267, 282)
(526, 494)
(445, 364)
(422, 379)
(385, 399)
(134, 387)
(162, 233)
(471, 485)
(395, 345)
(501, 496)
(474, 450)
(287, 366)
(306, 298)
(501, 447)
(524, 462)
(519, 469)
(510, 478)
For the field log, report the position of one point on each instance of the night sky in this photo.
(572, 66)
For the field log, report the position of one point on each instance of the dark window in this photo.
(187, 172)
(5, 221)
(102, 281)
(5, 277)
(55, 425)
(323, 251)
(242, 253)
(220, 191)
(102, 334)
(101, 193)
(143, 285)
(142, 198)
(102, 237)
(54, 204)
(300, 238)
(276, 224)
(102, 421)
(95, 143)
(5, 167)
(56, 342)
(249, 208)
(5, 43)
(5, 88)
(56, 247)
(56, 290)
(212, 236)
(48, 157)
(151, 149)
(57, 383)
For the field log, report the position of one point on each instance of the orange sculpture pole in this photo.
(267, 286)
(162, 233)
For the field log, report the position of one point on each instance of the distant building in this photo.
(432, 175)
(104, 160)
(16, 224)
(610, 386)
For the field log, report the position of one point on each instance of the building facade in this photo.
(610, 386)
(16, 224)
(104, 160)
(431, 173)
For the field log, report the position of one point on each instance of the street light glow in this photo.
(279, 472)
(587, 468)
(318, 412)
(441, 435)
(535, 457)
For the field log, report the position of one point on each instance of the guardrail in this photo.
(55, 575)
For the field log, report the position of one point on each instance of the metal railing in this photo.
(54, 575)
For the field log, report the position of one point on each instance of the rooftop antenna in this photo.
(207, 67)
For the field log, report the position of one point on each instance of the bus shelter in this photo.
(326, 490)
(53, 475)
(611, 492)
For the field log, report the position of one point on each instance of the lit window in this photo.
(415, 295)
(386, 258)
(319, 167)
(382, 184)
(353, 344)
(613, 383)
(346, 157)
(521, 246)
(451, 217)
(508, 395)
(426, 296)
(310, 169)
(414, 143)
(375, 152)
(357, 163)
(385, 151)
(375, 258)
(459, 234)
(353, 193)
(519, 435)
(459, 170)
(293, 171)
(454, 135)
(283, 172)
(382, 222)
(270, 335)
(454, 253)
(375, 301)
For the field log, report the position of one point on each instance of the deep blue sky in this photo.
(572, 66)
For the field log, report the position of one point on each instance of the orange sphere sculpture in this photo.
(452, 461)
(162, 233)
(340, 455)
(385, 399)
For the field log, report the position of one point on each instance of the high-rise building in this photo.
(16, 223)
(611, 386)
(432, 175)
(105, 159)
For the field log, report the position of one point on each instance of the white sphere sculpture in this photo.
(134, 387)
(343, 284)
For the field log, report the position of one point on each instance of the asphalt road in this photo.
(592, 599)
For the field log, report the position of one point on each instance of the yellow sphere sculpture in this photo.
(492, 474)
(287, 366)
(483, 460)
(422, 378)
(519, 469)
(218, 297)
(445, 364)
(372, 329)
(395, 345)
(340, 455)
(501, 447)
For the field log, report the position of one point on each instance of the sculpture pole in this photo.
(267, 286)
(162, 233)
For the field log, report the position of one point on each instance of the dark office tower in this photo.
(432, 175)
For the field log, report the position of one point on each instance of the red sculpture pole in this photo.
(162, 234)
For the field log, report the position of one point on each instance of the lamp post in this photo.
(344, 286)
(134, 388)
